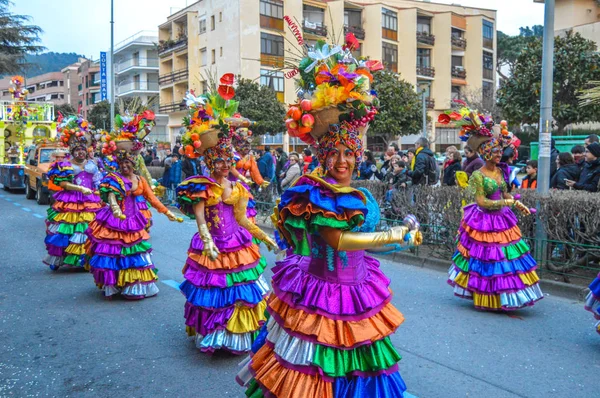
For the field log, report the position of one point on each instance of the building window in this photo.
(271, 8)
(220, 16)
(271, 44)
(313, 15)
(488, 66)
(390, 56)
(389, 19)
(457, 61)
(220, 51)
(424, 25)
(272, 79)
(202, 23)
(204, 87)
(455, 93)
(423, 57)
(203, 56)
(488, 30)
(212, 22)
(212, 53)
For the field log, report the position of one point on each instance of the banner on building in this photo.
(103, 75)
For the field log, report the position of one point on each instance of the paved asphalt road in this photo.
(58, 337)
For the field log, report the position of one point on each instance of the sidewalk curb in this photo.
(548, 286)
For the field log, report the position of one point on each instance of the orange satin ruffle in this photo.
(288, 383)
(99, 232)
(510, 235)
(227, 261)
(64, 206)
(336, 332)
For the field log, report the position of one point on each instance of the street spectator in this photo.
(396, 179)
(265, 164)
(472, 162)
(424, 166)
(578, 152)
(395, 147)
(386, 157)
(166, 180)
(174, 175)
(590, 175)
(404, 157)
(410, 154)
(313, 165)
(553, 156)
(308, 158)
(567, 170)
(368, 167)
(282, 159)
(148, 158)
(204, 170)
(177, 147)
(452, 168)
(530, 180)
(448, 160)
(190, 167)
(293, 172)
(167, 158)
(590, 139)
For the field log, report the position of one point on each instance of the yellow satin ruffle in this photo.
(482, 300)
(74, 218)
(134, 275)
(247, 319)
(77, 249)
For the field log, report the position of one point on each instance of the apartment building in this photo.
(49, 87)
(441, 49)
(88, 89)
(136, 75)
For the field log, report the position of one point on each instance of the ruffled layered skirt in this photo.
(120, 255)
(492, 264)
(325, 337)
(592, 301)
(66, 224)
(225, 298)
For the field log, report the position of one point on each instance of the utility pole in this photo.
(545, 127)
(112, 65)
(424, 111)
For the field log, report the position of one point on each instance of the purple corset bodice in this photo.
(221, 219)
(348, 271)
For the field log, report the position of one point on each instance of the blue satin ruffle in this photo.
(595, 287)
(139, 260)
(382, 386)
(58, 240)
(333, 202)
(521, 265)
(217, 297)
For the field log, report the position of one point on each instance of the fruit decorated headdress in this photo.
(74, 132)
(130, 132)
(333, 87)
(476, 129)
(211, 122)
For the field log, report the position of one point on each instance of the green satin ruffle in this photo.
(247, 275)
(141, 247)
(69, 229)
(311, 226)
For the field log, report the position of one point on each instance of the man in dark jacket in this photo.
(553, 155)
(590, 175)
(473, 161)
(452, 168)
(265, 164)
(567, 170)
(190, 167)
(425, 169)
(282, 159)
(578, 152)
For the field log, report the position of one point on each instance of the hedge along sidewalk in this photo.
(556, 288)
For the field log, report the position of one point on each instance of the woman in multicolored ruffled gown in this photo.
(119, 250)
(224, 288)
(592, 301)
(331, 311)
(75, 203)
(492, 265)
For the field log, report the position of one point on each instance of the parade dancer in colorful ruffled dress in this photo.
(592, 301)
(492, 265)
(120, 254)
(75, 203)
(224, 288)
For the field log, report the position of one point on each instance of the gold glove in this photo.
(210, 249)
(265, 184)
(522, 208)
(173, 217)
(245, 180)
(350, 241)
(114, 206)
(73, 187)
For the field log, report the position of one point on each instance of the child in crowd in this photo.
(530, 181)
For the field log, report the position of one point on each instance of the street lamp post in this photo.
(112, 65)
(545, 127)
(424, 108)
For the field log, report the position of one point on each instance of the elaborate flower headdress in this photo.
(122, 155)
(74, 132)
(333, 87)
(130, 131)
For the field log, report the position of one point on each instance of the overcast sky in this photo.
(82, 26)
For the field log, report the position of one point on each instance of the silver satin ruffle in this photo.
(591, 303)
(245, 376)
(141, 289)
(78, 238)
(262, 285)
(54, 260)
(241, 342)
(292, 349)
(522, 297)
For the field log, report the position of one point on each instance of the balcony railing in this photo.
(389, 34)
(425, 71)
(172, 107)
(167, 46)
(459, 42)
(459, 72)
(425, 38)
(173, 77)
(488, 74)
(271, 60)
(357, 30)
(315, 28)
(136, 62)
(35, 111)
(488, 43)
(430, 103)
(268, 22)
(144, 86)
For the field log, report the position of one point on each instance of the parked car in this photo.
(37, 164)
